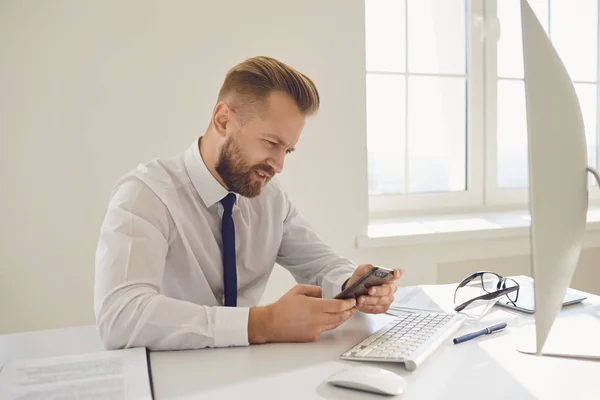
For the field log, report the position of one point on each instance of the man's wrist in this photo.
(258, 325)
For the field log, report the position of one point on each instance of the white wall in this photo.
(90, 88)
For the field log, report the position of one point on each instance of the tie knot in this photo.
(228, 202)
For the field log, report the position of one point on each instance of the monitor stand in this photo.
(575, 336)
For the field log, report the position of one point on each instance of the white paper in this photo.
(110, 375)
(414, 298)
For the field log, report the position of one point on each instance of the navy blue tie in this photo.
(228, 235)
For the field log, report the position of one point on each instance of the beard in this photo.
(237, 175)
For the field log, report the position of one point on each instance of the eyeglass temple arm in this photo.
(594, 173)
(468, 279)
(487, 296)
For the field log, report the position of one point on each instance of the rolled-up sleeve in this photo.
(130, 262)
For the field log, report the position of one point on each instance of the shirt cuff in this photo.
(231, 326)
(333, 287)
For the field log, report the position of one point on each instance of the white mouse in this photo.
(370, 379)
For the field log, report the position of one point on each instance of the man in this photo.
(188, 244)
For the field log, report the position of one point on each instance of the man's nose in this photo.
(277, 162)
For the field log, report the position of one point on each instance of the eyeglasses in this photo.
(470, 299)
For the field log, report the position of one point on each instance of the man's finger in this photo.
(334, 320)
(309, 290)
(358, 272)
(373, 300)
(398, 273)
(336, 305)
(363, 269)
(374, 309)
(383, 290)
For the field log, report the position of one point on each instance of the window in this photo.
(573, 28)
(445, 99)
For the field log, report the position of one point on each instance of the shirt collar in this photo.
(209, 189)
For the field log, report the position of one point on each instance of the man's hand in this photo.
(300, 315)
(380, 297)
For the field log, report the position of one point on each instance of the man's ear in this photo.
(221, 118)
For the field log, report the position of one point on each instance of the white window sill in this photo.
(453, 228)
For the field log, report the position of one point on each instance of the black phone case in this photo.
(361, 286)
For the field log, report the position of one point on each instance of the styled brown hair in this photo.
(255, 78)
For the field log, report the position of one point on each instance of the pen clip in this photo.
(496, 328)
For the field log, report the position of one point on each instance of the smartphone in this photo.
(376, 276)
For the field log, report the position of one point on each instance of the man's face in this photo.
(254, 152)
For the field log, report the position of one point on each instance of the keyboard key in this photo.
(364, 352)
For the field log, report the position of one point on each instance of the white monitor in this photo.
(558, 197)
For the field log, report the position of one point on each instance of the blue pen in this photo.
(484, 331)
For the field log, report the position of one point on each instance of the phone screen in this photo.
(376, 276)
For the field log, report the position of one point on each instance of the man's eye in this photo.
(288, 152)
(270, 143)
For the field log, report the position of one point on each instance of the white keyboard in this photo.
(410, 339)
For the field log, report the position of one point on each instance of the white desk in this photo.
(486, 368)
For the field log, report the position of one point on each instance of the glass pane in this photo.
(512, 131)
(490, 282)
(385, 35)
(512, 135)
(540, 8)
(386, 133)
(469, 292)
(436, 134)
(573, 27)
(510, 45)
(587, 100)
(436, 36)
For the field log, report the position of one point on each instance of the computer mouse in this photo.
(369, 379)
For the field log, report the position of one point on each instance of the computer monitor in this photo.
(558, 197)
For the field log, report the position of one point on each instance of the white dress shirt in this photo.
(159, 268)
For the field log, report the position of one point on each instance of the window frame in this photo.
(496, 197)
(383, 206)
(482, 193)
